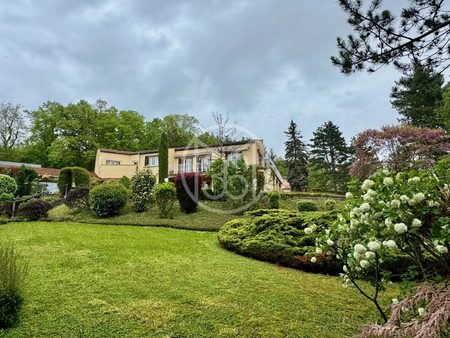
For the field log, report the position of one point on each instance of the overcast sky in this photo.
(263, 61)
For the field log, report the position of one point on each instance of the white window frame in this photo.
(151, 161)
(112, 162)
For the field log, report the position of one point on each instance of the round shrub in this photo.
(330, 204)
(107, 200)
(165, 196)
(6, 197)
(70, 177)
(278, 236)
(306, 205)
(125, 181)
(274, 200)
(78, 198)
(34, 209)
(188, 188)
(141, 189)
(7, 185)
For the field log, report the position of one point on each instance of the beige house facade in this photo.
(114, 164)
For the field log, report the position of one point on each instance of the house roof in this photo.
(52, 172)
(125, 152)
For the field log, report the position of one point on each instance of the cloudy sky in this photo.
(263, 61)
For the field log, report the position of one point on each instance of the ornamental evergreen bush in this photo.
(78, 198)
(107, 200)
(165, 196)
(330, 205)
(141, 189)
(12, 274)
(125, 181)
(34, 209)
(306, 205)
(8, 184)
(25, 178)
(71, 177)
(274, 200)
(188, 191)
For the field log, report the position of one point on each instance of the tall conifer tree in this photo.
(163, 157)
(296, 159)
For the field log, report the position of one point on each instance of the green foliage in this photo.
(34, 209)
(165, 196)
(61, 213)
(163, 158)
(7, 185)
(12, 275)
(25, 178)
(217, 173)
(277, 236)
(417, 95)
(141, 189)
(274, 199)
(125, 181)
(296, 159)
(71, 177)
(307, 205)
(443, 110)
(329, 155)
(6, 197)
(330, 205)
(78, 198)
(107, 200)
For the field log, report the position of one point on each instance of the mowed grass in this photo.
(121, 281)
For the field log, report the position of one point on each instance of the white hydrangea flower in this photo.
(400, 228)
(374, 245)
(313, 259)
(416, 222)
(394, 301)
(433, 204)
(354, 222)
(370, 255)
(395, 203)
(364, 264)
(442, 249)
(404, 198)
(367, 184)
(365, 207)
(319, 250)
(359, 248)
(330, 242)
(308, 230)
(388, 181)
(357, 255)
(390, 244)
(348, 195)
(421, 311)
(345, 268)
(419, 197)
(388, 222)
(415, 179)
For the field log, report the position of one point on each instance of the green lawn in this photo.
(121, 281)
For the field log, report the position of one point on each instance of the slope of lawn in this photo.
(120, 281)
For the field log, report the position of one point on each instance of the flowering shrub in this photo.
(407, 213)
(141, 187)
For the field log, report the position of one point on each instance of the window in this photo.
(151, 161)
(185, 165)
(112, 162)
(234, 157)
(203, 164)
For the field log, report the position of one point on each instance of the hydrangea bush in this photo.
(391, 213)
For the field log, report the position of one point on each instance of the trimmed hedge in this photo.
(165, 196)
(277, 236)
(189, 188)
(274, 200)
(307, 205)
(73, 176)
(312, 195)
(8, 184)
(107, 200)
(34, 209)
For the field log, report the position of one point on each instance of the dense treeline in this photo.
(59, 136)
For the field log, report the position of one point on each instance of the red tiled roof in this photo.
(55, 172)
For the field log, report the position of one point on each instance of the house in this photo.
(114, 164)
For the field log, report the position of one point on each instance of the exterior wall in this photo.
(130, 163)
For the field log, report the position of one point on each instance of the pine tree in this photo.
(416, 97)
(329, 155)
(163, 157)
(296, 159)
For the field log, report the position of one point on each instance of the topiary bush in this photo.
(142, 184)
(274, 200)
(8, 185)
(330, 205)
(306, 205)
(78, 198)
(278, 236)
(188, 188)
(6, 197)
(107, 200)
(71, 177)
(34, 209)
(165, 196)
(12, 275)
